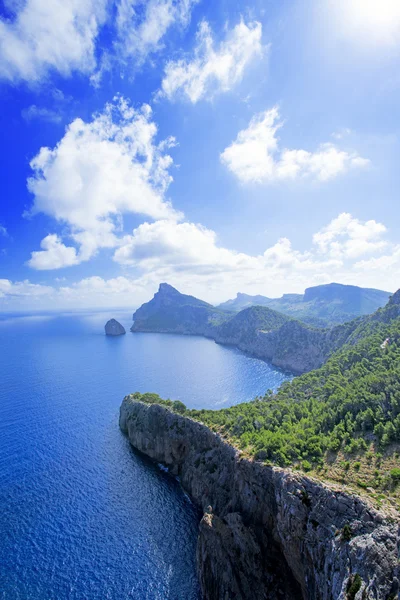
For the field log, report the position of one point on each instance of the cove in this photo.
(84, 516)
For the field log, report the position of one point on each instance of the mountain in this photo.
(322, 305)
(172, 312)
(244, 301)
(286, 342)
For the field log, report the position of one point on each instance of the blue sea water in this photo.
(84, 516)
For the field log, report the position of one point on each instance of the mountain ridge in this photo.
(287, 343)
(322, 305)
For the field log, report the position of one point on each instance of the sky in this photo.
(221, 146)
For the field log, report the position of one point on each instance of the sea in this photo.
(83, 516)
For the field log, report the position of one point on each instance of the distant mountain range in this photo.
(266, 333)
(322, 305)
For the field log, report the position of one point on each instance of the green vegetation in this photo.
(321, 306)
(343, 406)
(340, 422)
(354, 587)
(347, 533)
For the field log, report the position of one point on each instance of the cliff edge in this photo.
(267, 532)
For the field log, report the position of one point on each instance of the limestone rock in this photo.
(271, 534)
(113, 327)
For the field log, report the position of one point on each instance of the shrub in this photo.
(354, 586)
(347, 533)
(395, 475)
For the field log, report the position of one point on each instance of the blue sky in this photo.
(220, 146)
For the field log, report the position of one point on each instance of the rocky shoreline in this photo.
(266, 532)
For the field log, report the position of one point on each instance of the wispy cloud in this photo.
(43, 36)
(213, 68)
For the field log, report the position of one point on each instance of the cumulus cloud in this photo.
(213, 68)
(190, 257)
(97, 172)
(255, 155)
(3, 231)
(177, 246)
(42, 36)
(191, 253)
(348, 237)
(54, 255)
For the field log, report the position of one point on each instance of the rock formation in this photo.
(113, 327)
(267, 532)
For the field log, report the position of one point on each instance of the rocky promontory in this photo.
(268, 532)
(113, 327)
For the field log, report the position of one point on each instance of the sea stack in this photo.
(113, 327)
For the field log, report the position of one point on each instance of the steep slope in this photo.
(321, 306)
(266, 533)
(273, 532)
(265, 333)
(172, 312)
(347, 410)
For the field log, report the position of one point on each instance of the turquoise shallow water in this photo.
(83, 516)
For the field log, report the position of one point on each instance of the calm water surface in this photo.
(82, 515)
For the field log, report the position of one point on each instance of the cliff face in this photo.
(169, 311)
(270, 533)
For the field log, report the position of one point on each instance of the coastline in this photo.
(266, 528)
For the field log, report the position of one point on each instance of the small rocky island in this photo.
(113, 327)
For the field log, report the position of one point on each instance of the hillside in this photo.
(265, 333)
(322, 305)
(340, 422)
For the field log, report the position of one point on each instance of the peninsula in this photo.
(299, 489)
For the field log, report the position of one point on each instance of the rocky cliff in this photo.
(113, 327)
(268, 533)
(169, 311)
(265, 333)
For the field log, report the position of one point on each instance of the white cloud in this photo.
(3, 231)
(54, 255)
(255, 155)
(189, 254)
(190, 257)
(141, 25)
(140, 28)
(22, 288)
(212, 70)
(51, 35)
(371, 22)
(34, 112)
(178, 246)
(346, 236)
(96, 173)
